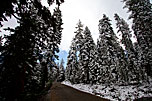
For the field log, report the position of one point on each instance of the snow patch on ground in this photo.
(115, 92)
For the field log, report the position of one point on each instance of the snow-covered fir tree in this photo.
(72, 64)
(61, 76)
(38, 30)
(86, 56)
(49, 43)
(79, 36)
(138, 54)
(123, 28)
(79, 44)
(133, 72)
(108, 48)
(141, 14)
(94, 72)
(19, 52)
(54, 72)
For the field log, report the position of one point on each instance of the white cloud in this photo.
(89, 12)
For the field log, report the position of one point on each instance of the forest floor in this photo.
(61, 92)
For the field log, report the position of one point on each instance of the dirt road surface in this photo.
(60, 92)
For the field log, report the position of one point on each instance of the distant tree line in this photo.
(106, 61)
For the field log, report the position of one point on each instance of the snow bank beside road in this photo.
(115, 92)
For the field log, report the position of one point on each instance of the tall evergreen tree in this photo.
(79, 44)
(19, 53)
(35, 33)
(139, 54)
(7, 7)
(86, 55)
(134, 74)
(61, 71)
(54, 72)
(79, 36)
(73, 70)
(94, 69)
(72, 64)
(141, 14)
(108, 49)
(95, 73)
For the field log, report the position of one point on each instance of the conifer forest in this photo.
(28, 54)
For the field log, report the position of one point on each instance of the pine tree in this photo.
(19, 54)
(133, 69)
(141, 14)
(72, 64)
(86, 55)
(54, 72)
(94, 72)
(138, 54)
(73, 70)
(61, 71)
(108, 49)
(7, 7)
(53, 38)
(79, 36)
(79, 40)
(34, 34)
